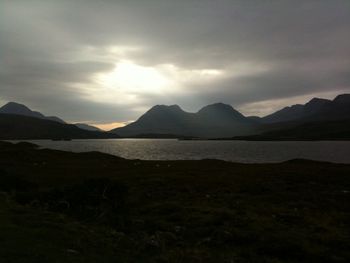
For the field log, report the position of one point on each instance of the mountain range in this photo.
(315, 109)
(221, 120)
(20, 109)
(302, 121)
(211, 121)
(17, 121)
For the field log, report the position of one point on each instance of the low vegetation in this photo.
(91, 207)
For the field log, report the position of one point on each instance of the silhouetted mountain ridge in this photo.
(216, 120)
(342, 98)
(213, 120)
(222, 120)
(315, 109)
(20, 109)
(20, 127)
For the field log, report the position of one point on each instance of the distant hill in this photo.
(315, 109)
(319, 119)
(211, 121)
(20, 109)
(87, 127)
(19, 127)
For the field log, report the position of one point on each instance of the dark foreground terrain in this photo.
(91, 207)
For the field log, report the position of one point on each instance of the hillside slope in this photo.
(18, 127)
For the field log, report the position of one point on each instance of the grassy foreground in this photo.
(91, 207)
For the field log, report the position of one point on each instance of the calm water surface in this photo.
(237, 151)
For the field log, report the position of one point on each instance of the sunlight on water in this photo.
(236, 151)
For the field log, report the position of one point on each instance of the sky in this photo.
(106, 62)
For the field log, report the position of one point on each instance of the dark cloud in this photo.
(51, 51)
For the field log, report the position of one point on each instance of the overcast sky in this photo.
(109, 61)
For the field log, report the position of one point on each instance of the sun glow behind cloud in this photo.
(130, 77)
(61, 56)
(128, 83)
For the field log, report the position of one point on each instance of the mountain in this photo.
(297, 111)
(319, 119)
(20, 109)
(214, 120)
(221, 120)
(87, 127)
(315, 109)
(220, 113)
(314, 106)
(20, 127)
(160, 119)
(338, 109)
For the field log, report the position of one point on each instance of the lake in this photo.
(236, 151)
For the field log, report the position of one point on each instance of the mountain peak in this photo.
(342, 98)
(15, 105)
(173, 108)
(317, 101)
(20, 109)
(315, 105)
(219, 106)
(220, 111)
(162, 113)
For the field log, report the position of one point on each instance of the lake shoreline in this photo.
(234, 151)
